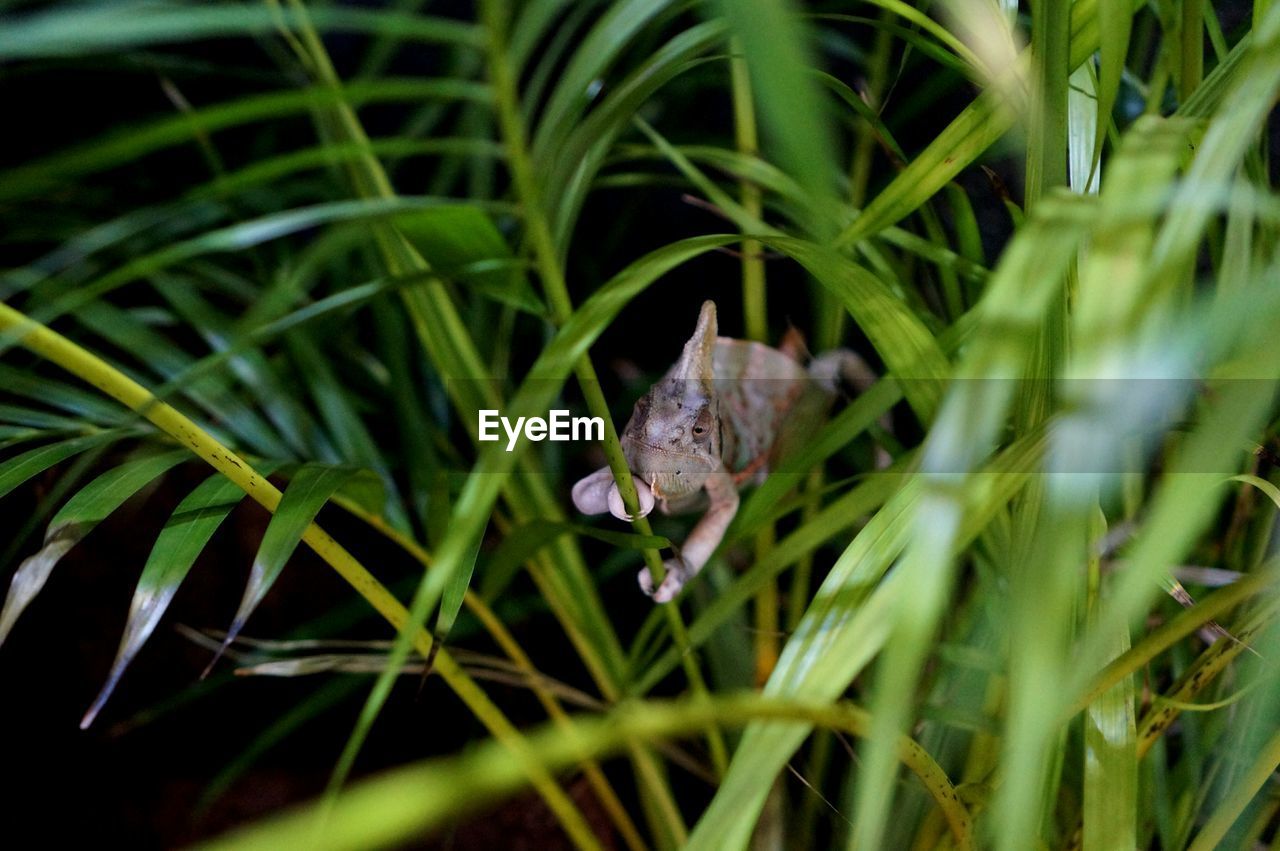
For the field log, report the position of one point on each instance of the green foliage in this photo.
(346, 264)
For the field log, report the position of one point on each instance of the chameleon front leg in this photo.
(702, 541)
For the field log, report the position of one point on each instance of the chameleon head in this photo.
(672, 441)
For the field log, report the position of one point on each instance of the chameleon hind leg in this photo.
(840, 369)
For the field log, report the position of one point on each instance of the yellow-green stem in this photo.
(798, 594)
(87, 366)
(1185, 623)
(755, 312)
(430, 316)
(408, 814)
(547, 261)
(766, 617)
(755, 318)
(507, 642)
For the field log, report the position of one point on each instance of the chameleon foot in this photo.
(619, 509)
(677, 573)
(598, 493)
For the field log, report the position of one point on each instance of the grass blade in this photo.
(309, 489)
(118, 26)
(462, 236)
(21, 468)
(89, 507)
(54, 170)
(793, 115)
(1215, 829)
(181, 541)
(409, 801)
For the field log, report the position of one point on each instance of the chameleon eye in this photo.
(699, 430)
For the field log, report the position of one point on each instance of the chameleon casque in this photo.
(721, 418)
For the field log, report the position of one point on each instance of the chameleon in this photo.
(719, 420)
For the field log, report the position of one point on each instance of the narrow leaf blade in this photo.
(89, 507)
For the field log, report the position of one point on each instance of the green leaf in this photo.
(1233, 805)
(955, 48)
(454, 592)
(273, 169)
(408, 801)
(845, 626)
(462, 236)
(89, 507)
(1249, 98)
(58, 394)
(233, 238)
(1047, 119)
(415, 426)
(961, 143)
(790, 198)
(337, 404)
(125, 146)
(1111, 763)
(908, 348)
(572, 174)
(20, 468)
(1114, 286)
(120, 26)
(596, 51)
(39, 420)
(519, 545)
(1083, 119)
(212, 393)
(176, 549)
(366, 489)
(1115, 22)
(795, 118)
(308, 491)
